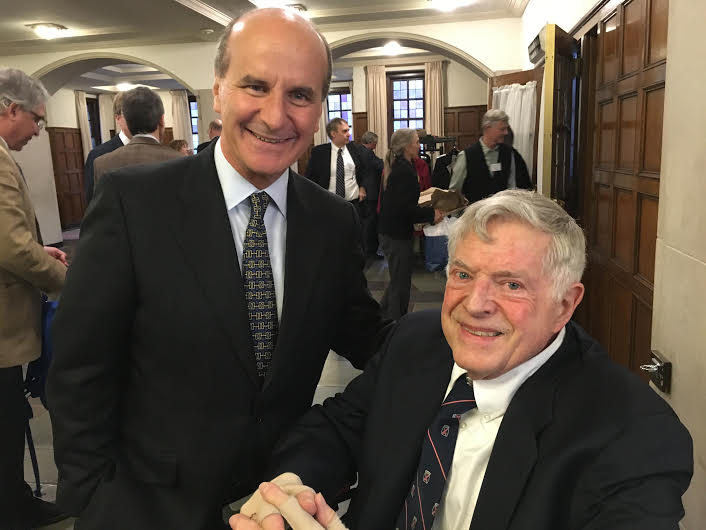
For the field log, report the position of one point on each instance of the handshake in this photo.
(286, 498)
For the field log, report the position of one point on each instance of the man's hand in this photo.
(297, 511)
(57, 254)
(438, 216)
(362, 194)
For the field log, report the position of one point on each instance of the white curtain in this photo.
(320, 136)
(520, 104)
(105, 107)
(84, 127)
(434, 100)
(377, 105)
(181, 117)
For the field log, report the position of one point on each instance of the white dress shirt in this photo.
(478, 429)
(459, 171)
(237, 191)
(351, 185)
(123, 137)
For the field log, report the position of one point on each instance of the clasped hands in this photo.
(286, 498)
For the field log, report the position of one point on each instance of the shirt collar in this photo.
(124, 138)
(485, 147)
(141, 135)
(236, 188)
(494, 395)
(4, 144)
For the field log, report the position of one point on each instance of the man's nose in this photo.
(274, 111)
(480, 298)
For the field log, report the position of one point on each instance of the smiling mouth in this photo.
(479, 333)
(268, 140)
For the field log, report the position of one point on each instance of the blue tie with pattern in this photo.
(424, 498)
(259, 285)
(340, 174)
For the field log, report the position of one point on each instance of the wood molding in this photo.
(590, 19)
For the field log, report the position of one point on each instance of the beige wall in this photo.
(61, 109)
(464, 87)
(678, 329)
(35, 160)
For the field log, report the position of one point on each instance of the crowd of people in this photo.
(207, 291)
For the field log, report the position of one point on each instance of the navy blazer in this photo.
(319, 168)
(584, 443)
(159, 416)
(106, 147)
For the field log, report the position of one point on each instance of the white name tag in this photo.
(496, 167)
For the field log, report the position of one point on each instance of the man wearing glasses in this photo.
(26, 269)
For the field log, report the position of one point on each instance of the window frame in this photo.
(339, 91)
(194, 135)
(404, 76)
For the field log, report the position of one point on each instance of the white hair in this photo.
(17, 87)
(565, 259)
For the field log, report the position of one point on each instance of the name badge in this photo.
(497, 167)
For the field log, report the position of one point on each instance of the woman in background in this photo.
(181, 146)
(399, 210)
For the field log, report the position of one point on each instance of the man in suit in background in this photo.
(143, 112)
(174, 372)
(119, 140)
(26, 269)
(488, 166)
(498, 413)
(214, 132)
(369, 142)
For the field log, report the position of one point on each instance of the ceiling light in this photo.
(49, 30)
(300, 9)
(392, 48)
(123, 87)
(449, 5)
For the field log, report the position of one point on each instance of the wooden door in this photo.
(626, 55)
(67, 157)
(463, 123)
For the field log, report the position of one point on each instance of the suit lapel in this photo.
(515, 450)
(206, 239)
(303, 253)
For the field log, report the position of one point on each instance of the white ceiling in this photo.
(140, 22)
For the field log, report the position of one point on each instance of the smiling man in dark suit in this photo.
(497, 413)
(204, 298)
(119, 140)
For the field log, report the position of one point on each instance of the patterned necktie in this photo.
(259, 285)
(423, 501)
(340, 186)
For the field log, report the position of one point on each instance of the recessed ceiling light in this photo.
(392, 48)
(449, 5)
(123, 87)
(49, 30)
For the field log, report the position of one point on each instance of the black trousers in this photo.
(13, 414)
(398, 252)
(369, 220)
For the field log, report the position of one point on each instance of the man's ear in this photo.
(216, 93)
(571, 299)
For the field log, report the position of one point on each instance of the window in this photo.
(406, 101)
(194, 112)
(340, 106)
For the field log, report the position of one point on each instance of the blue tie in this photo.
(259, 285)
(424, 498)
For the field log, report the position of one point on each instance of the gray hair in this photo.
(369, 137)
(333, 125)
(17, 87)
(565, 259)
(400, 139)
(493, 116)
(222, 62)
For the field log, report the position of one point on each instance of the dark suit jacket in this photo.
(99, 150)
(375, 166)
(204, 145)
(584, 444)
(140, 150)
(480, 183)
(399, 208)
(319, 168)
(158, 414)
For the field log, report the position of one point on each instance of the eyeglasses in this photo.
(39, 120)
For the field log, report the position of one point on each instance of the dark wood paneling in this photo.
(657, 35)
(624, 229)
(633, 35)
(360, 125)
(167, 136)
(67, 158)
(654, 116)
(647, 241)
(464, 124)
(624, 166)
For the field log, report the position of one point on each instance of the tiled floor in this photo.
(427, 293)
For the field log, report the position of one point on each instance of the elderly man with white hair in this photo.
(490, 165)
(497, 412)
(26, 268)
